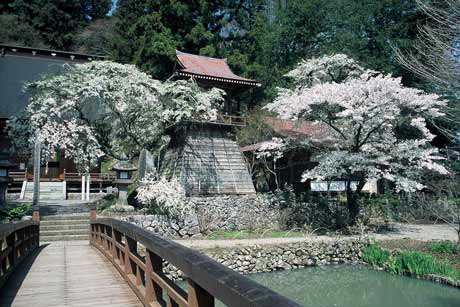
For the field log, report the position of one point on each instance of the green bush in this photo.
(106, 202)
(444, 247)
(14, 212)
(375, 255)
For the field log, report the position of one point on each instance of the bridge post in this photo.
(153, 264)
(92, 212)
(130, 246)
(197, 296)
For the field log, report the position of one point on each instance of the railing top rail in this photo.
(9, 228)
(226, 285)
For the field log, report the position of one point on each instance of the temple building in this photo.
(17, 66)
(203, 155)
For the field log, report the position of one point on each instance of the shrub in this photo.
(312, 210)
(375, 255)
(14, 212)
(106, 202)
(164, 196)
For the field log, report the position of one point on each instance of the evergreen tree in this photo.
(56, 21)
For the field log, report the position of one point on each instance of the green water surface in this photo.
(355, 286)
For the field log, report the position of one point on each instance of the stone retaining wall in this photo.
(256, 259)
(236, 212)
(213, 213)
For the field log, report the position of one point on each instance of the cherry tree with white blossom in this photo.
(104, 108)
(363, 110)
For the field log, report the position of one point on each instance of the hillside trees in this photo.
(56, 22)
(149, 32)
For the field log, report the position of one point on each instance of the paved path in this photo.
(399, 231)
(70, 273)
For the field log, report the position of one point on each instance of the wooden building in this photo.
(203, 155)
(17, 66)
(295, 162)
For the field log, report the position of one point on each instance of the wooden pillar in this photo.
(83, 187)
(130, 247)
(37, 162)
(93, 213)
(36, 215)
(88, 179)
(64, 184)
(153, 292)
(198, 297)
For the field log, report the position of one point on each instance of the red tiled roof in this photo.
(317, 132)
(208, 68)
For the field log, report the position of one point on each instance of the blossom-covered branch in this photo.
(364, 113)
(102, 107)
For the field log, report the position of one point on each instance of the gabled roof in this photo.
(208, 68)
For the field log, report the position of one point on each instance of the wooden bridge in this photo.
(121, 265)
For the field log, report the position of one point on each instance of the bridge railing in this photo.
(17, 240)
(207, 280)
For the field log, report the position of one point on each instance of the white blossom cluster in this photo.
(363, 112)
(166, 195)
(103, 107)
(274, 149)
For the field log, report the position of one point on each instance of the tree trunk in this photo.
(353, 201)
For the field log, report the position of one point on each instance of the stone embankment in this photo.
(256, 259)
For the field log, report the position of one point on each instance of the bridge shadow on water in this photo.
(9, 291)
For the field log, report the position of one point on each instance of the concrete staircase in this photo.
(64, 227)
(48, 191)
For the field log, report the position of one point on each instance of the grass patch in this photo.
(252, 234)
(441, 252)
(444, 247)
(413, 262)
(419, 264)
(375, 255)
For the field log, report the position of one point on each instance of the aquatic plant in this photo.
(419, 265)
(375, 255)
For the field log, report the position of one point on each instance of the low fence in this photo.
(17, 241)
(207, 280)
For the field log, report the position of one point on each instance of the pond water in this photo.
(356, 286)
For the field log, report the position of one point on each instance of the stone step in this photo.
(64, 238)
(65, 222)
(66, 217)
(59, 233)
(53, 227)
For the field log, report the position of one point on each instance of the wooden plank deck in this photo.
(68, 273)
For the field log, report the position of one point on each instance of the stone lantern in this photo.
(124, 171)
(5, 179)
